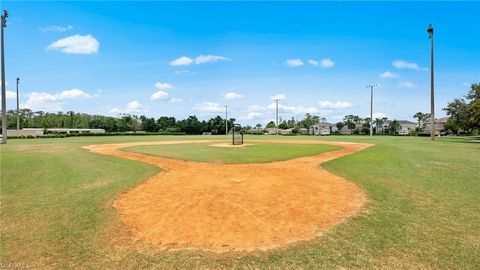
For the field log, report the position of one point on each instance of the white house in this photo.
(406, 127)
(321, 129)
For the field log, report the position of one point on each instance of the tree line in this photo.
(464, 117)
(465, 112)
(123, 123)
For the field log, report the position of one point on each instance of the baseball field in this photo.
(276, 202)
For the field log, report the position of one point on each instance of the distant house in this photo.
(321, 129)
(288, 131)
(303, 131)
(270, 131)
(255, 130)
(439, 126)
(406, 127)
(345, 130)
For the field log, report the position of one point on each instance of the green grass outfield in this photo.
(423, 210)
(254, 153)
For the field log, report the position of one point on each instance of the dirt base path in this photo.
(240, 207)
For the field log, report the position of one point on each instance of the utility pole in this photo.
(18, 107)
(276, 101)
(371, 86)
(432, 89)
(226, 121)
(4, 91)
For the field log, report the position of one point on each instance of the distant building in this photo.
(270, 131)
(288, 131)
(323, 128)
(24, 133)
(255, 130)
(406, 127)
(303, 131)
(67, 130)
(439, 126)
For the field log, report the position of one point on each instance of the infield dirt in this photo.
(235, 207)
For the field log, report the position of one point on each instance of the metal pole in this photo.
(371, 110)
(276, 101)
(18, 107)
(226, 121)
(432, 89)
(371, 107)
(4, 95)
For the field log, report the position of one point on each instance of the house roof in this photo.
(442, 120)
(323, 124)
(403, 122)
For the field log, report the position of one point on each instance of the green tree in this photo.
(349, 121)
(270, 124)
(340, 125)
(459, 113)
(309, 120)
(394, 126)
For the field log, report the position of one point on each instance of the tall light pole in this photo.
(4, 91)
(18, 107)
(276, 101)
(371, 86)
(226, 121)
(432, 89)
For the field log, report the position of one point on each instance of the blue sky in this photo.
(180, 59)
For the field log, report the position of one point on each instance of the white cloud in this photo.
(175, 100)
(11, 95)
(76, 44)
(159, 95)
(279, 96)
(163, 86)
(181, 61)
(43, 101)
(401, 64)
(74, 93)
(334, 104)
(407, 84)
(313, 62)
(294, 62)
(293, 109)
(56, 28)
(202, 59)
(327, 63)
(209, 107)
(389, 75)
(132, 107)
(251, 115)
(233, 95)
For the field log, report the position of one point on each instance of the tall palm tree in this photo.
(378, 124)
(394, 126)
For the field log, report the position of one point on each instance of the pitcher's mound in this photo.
(227, 145)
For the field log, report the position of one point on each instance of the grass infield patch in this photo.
(253, 153)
